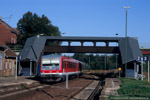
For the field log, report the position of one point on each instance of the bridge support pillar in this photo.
(57, 43)
(107, 44)
(69, 43)
(82, 43)
(94, 44)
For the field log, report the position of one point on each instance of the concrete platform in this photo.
(110, 88)
(10, 84)
(7, 81)
(85, 93)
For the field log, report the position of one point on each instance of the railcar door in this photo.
(63, 65)
(66, 68)
(80, 67)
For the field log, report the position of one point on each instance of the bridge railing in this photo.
(144, 45)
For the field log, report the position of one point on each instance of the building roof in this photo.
(7, 33)
(8, 51)
(132, 52)
(34, 46)
(13, 30)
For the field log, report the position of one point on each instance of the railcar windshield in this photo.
(50, 64)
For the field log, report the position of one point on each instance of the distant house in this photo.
(7, 61)
(8, 35)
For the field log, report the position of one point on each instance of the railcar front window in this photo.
(50, 64)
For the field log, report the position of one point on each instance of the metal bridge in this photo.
(145, 48)
(35, 47)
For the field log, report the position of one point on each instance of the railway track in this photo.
(77, 92)
(89, 91)
(26, 88)
(23, 91)
(55, 91)
(92, 95)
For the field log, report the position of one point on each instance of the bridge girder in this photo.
(80, 49)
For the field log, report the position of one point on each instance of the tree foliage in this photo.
(31, 24)
(97, 62)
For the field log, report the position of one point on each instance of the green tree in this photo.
(97, 62)
(31, 24)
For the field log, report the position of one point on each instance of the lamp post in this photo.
(16, 69)
(116, 54)
(126, 40)
(63, 33)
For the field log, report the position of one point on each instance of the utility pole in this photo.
(89, 62)
(105, 62)
(148, 70)
(116, 54)
(16, 69)
(126, 40)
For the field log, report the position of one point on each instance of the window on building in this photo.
(10, 65)
(5, 65)
(0, 61)
(12, 40)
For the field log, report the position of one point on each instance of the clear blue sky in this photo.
(86, 17)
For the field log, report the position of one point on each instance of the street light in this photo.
(126, 39)
(126, 20)
(39, 35)
(116, 34)
(63, 33)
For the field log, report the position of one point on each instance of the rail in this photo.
(88, 92)
(94, 92)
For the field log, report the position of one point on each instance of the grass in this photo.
(134, 88)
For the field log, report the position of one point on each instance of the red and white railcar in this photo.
(56, 66)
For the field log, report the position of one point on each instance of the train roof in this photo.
(59, 56)
(52, 56)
